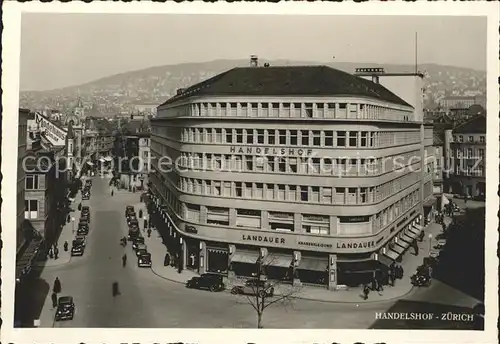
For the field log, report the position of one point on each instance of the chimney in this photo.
(254, 61)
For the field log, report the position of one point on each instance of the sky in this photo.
(59, 50)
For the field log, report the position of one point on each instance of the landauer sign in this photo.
(54, 134)
(270, 151)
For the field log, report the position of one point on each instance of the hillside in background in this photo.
(122, 93)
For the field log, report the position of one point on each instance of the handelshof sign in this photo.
(56, 135)
(270, 151)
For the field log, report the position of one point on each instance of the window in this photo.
(229, 136)
(260, 136)
(293, 137)
(239, 135)
(249, 136)
(469, 153)
(341, 137)
(292, 162)
(316, 134)
(238, 189)
(270, 163)
(481, 152)
(363, 195)
(314, 197)
(329, 138)
(209, 135)
(305, 137)
(271, 139)
(227, 189)
(353, 139)
(31, 182)
(364, 138)
(292, 193)
(249, 162)
(309, 110)
(471, 138)
(460, 138)
(281, 192)
(269, 191)
(282, 136)
(304, 193)
(217, 191)
(326, 197)
(315, 165)
(259, 164)
(481, 139)
(282, 165)
(259, 190)
(31, 209)
(248, 190)
(454, 138)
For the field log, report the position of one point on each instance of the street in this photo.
(148, 301)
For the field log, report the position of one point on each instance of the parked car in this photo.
(133, 232)
(133, 223)
(129, 210)
(83, 227)
(140, 248)
(85, 196)
(211, 282)
(77, 250)
(85, 210)
(137, 241)
(80, 240)
(254, 287)
(85, 217)
(65, 308)
(144, 260)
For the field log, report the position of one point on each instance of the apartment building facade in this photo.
(317, 172)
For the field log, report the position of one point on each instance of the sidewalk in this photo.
(350, 295)
(66, 234)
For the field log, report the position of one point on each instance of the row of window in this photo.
(287, 137)
(283, 221)
(298, 165)
(340, 110)
(298, 193)
(470, 138)
(469, 153)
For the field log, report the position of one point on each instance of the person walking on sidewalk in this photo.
(56, 253)
(149, 232)
(66, 246)
(366, 292)
(112, 192)
(124, 259)
(54, 300)
(57, 286)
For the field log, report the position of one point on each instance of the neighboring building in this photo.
(294, 166)
(457, 102)
(144, 153)
(146, 108)
(468, 173)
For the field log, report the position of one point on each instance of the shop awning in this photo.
(248, 257)
(408, 237)
(278, 260)
(391, 254)
(108, 158)
(398, 248)
(313, 264)
(24, 262)
(415, 231)
(359, 266)
(384, 260)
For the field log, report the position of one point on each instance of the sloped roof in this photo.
(288, 81)
(476, 125)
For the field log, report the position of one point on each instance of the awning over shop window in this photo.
(391, 254)
(248, 257)
(398, 248)
(281, 261)
(415, 231)
(408, 238)
(359, 266)
(384, 260)
(314, 264)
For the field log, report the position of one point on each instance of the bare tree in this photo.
(260, 292)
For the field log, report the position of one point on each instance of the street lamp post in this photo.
(430, 243)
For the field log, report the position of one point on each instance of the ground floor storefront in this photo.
(468, 186)
(326, 269)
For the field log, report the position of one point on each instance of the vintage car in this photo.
(254, 287)
(141, 248)
(65, 308)
(80, 240)
(77, 250)
(144, 260)
(137, 241)
(210, 282)
(129, 210)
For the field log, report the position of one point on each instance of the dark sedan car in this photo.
(144, 260)
(77, 250)
(211, 282)
(65, 308)
(137, 241)
(85, 210)
(129, 210)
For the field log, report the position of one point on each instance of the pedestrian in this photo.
(65, 246)
(68, 218)
(140, 213)
(57, 286)
(51, 252)
(145, 223)
(80, 206)
(149, 232)
(114, 289)
(124, 259)
(166, 260)
(112, 192)
(54, 300)
(366, 292)
(56, 253)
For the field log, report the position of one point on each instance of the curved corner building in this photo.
(315, 173)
